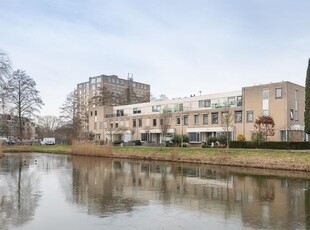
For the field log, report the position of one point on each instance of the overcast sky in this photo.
(178, 47)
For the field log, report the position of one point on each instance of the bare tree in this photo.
(5, 67)
(104, 97)
(70, 118)
(227, 119)
(165, 122)
(24, 97)
(5, 71)
(47, 125)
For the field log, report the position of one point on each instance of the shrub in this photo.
(177, 139)
(240, 137)
(270, 145)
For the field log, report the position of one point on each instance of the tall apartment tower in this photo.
(128, 90)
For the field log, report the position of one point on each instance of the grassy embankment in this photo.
(257, 158)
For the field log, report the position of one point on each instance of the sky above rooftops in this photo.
(178, 47)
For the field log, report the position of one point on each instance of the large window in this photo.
(185, 120)
(193, 137)
(249, 116)
(134, 123)
(196, 119)
(205, 119)
(215, 118)
(225, 118)
(265, 100)
(140, 122)
(296, 99)
(144, 136)
(154, 122)
(156, 108)
(204, 103)
(238, 116)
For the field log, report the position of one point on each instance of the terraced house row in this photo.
(201, 117)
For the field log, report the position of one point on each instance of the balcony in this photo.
(226, 104)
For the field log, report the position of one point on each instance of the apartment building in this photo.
(204, 116)
(9, 127)
(128, 90)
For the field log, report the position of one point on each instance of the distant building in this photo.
(9, 127)
(202, 117)
(127, 91)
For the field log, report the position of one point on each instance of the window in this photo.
(95, 112)
(156, 108)
(100, 125)
(140, 122)
(193, 137)
(144, 136)
(196, 119)
(296, 99)
(204, 103)
(161, 122)
(134, 123)
(136, 110)
(93, 80)
(291, 114)
(205, 119)
(119, 112)
(225, 117)
(185, 120)
(178, 120)
(278, 93)
(111, 125)
(215, 118)
(238, 116)
(91, 113)
(265, 101)
(239, 101)
(116, 125)
(180, 107)
(249, 116)
(95, 125)
(154, 122)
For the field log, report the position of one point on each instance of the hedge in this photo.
(269, 145)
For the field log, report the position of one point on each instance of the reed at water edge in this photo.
(1, 151)
(91, 149)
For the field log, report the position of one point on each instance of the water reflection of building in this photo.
(259, 201)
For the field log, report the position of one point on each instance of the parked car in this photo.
(48, 141)
(14, 142)
(4, 141)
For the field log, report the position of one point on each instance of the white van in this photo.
(48, 141)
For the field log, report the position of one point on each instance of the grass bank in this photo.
(256, 158)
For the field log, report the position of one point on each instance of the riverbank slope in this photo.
(256, 158)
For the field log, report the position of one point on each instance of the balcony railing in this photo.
(226, 104)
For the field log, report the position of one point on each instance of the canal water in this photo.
(46, 191)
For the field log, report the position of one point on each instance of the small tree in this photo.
(177, 140)
(227, 119)
(265, 125)
(307, 102)
(165, 120)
